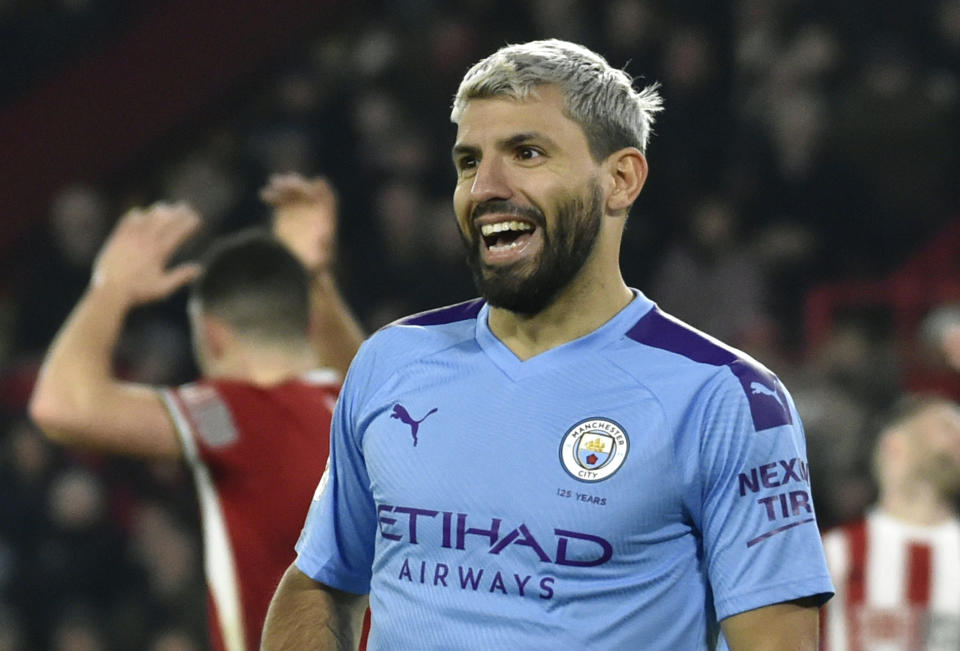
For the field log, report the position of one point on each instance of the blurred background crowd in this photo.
(802, 204)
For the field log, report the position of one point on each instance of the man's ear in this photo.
(217, 335)
(628, 171)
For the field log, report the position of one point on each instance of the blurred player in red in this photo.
(272, 338)
(897, 570)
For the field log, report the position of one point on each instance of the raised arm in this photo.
(305, 614)
(788, 626)
(78, 400)
(305, 219)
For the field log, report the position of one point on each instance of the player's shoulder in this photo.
(408, 341)
(202, 411)
(443, 318)
(668, 352)
(683, 345)
(234, 392)
(425, 333)
(200, 392)
(659, 340)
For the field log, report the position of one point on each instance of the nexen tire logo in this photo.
(570, 548)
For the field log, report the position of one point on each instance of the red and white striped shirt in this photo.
(897, 586)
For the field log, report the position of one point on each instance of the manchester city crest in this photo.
(593, 449)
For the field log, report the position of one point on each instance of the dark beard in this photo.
(564, 252)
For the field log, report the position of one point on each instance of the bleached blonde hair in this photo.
(598, 97)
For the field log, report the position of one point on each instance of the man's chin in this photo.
(516, 297)
(521, 305)
(498, 278)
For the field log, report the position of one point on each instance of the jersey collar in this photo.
(611, 331)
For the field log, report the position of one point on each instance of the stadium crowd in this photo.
(801, 142)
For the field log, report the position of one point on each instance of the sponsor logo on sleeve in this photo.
(781, 491)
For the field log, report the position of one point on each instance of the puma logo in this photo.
(759, 389)
(400, 413)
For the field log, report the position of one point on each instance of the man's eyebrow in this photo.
(460, 149)
(506, 143)
(527, 136)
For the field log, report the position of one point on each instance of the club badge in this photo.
(594, 449)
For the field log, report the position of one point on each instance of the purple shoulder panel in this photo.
(450, 314)
(765, 394)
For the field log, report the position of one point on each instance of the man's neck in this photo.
(265, 366)
(579, 310)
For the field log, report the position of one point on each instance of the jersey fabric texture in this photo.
(625, 490)
(898, 586)
(255, 454)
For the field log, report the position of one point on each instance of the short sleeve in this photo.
(336, 546)
(202, 419)
(761, 541)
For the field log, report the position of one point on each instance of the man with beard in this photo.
(558, 464)
(898, 567)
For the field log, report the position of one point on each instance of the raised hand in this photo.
(133, 261)
(304, 217)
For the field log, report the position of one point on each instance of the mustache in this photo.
(502, 206)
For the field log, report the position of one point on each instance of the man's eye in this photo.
(466, 163)
(528, 153)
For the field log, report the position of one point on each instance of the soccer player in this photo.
(255, 429)
(558, 464)
(897, 569)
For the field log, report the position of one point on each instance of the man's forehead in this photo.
(503, 117)
(536, 98)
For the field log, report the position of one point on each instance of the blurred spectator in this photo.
(204, 181)
(78, 221)
(166, 551)
(935, 364)
(174, 639)
(11, 635)
(76, 225)
(77, 630)
(711, 278)
(896, 569)
(939, 335)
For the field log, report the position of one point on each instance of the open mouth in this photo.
(504, 236)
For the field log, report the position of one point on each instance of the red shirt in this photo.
(257, 455)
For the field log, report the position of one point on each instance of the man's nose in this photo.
(490, 181)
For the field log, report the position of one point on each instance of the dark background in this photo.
(802, 204)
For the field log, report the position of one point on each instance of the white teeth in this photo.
(504, 247)
(499, 227)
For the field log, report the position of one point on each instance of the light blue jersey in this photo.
(626, 490)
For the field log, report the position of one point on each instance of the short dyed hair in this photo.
(600, 98)
(253, 283)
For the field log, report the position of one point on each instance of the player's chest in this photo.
(594, 445)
